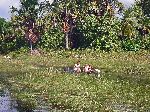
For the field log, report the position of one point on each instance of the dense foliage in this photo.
(104, 25)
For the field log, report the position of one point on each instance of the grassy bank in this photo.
(124, 84)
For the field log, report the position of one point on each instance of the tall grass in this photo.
(124, 84)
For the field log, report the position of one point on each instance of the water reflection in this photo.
(68, 69)
(6, 103)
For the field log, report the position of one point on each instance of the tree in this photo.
(145, 4)
(2, 28)
(24, 20)
(7, 36)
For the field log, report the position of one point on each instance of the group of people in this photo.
(87, 68)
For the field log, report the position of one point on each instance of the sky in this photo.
(6, 4)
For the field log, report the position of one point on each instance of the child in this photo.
(77, 67)
(87, 68)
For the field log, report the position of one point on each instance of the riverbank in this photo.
(124, 83)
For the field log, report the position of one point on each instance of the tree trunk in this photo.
(67, 40)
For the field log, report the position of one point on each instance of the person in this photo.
(87, 68)
(77, 68)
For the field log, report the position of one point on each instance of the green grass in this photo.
(124, 83)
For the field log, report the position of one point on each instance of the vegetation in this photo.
(145, 6)
(92, 33)
(76, 24)
(123, 85)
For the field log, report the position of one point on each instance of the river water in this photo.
(7, 104)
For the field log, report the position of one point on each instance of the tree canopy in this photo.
(77, 24)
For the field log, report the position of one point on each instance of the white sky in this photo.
(6, 4)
